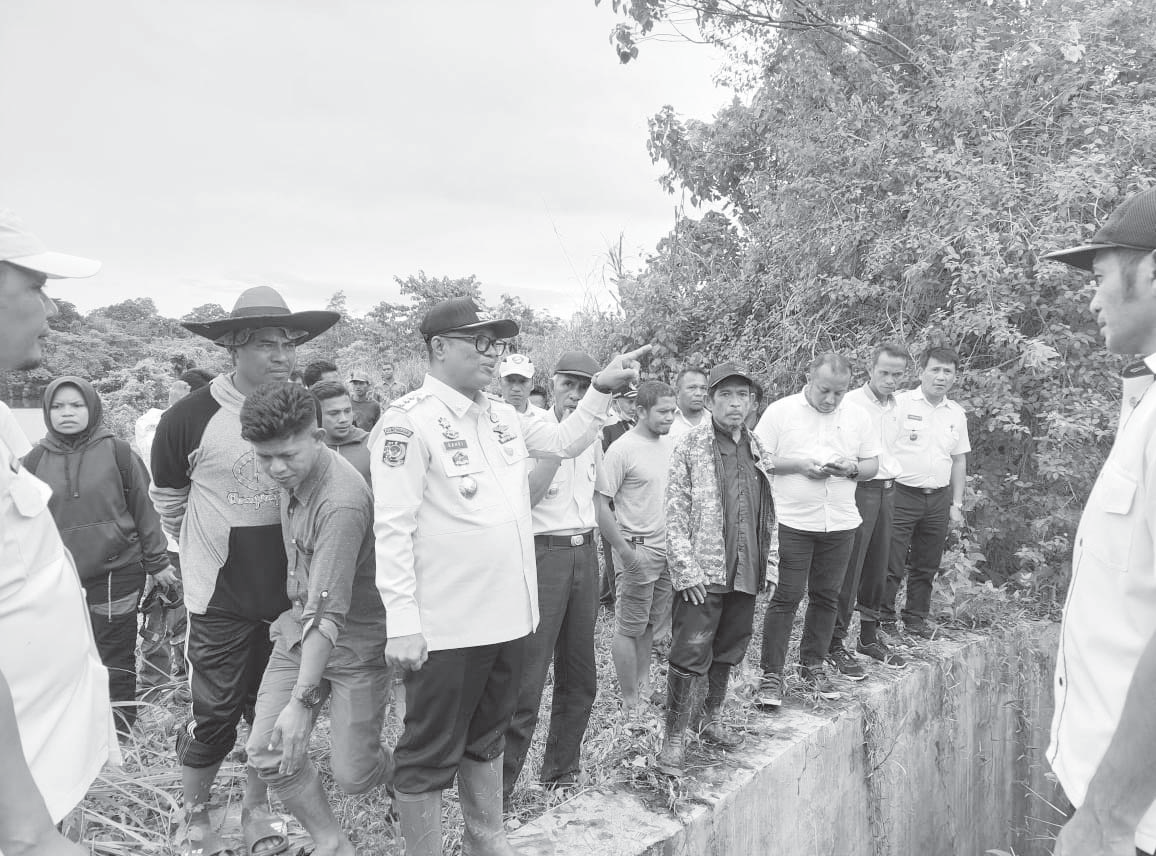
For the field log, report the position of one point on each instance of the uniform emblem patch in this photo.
(461, 459)
(393, 452)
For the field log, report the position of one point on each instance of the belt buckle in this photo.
(888, 484)
(577, 540)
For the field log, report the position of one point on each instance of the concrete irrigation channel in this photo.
(942, 758)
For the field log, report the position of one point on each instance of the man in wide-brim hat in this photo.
(213, 497)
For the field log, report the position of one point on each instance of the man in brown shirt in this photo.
(331, 641)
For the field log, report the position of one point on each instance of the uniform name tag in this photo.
(450, 445)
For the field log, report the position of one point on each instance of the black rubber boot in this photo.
(713, 731)
(678, 695)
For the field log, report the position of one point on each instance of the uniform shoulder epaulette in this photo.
(409, 400)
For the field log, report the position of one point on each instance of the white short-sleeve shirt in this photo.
(792, 428)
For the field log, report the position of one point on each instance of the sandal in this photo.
(202, 840)
(264, 832)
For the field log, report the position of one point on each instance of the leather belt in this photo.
(579, 540)
(926, 491)
(883, 484)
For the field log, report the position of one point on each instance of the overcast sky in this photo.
(199, 147)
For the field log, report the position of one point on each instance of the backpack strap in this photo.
(32, 459)
(122, 451)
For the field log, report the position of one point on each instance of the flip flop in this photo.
(206, 843)
(261, 827)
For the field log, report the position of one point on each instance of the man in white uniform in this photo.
(1103, 747)
(56, 728)
(455, 565)
(562, 498)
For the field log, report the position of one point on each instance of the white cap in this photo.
(516, 364)
(20, 247)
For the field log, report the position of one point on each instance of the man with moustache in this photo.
(719, 518)
(342, 435)
(56, 725)
(456, 564)
(1103, 741)
(931, 449)
(820, 449)
(562, 499)
(691, 389)
(631, 490)
(225, 513)
(875, 499)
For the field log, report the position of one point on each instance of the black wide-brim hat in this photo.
(262, 306)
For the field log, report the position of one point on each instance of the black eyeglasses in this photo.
(484, 344)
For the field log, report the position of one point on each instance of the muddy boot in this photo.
(480, 793)
(678, 697)
(713, 731)
(421, 822)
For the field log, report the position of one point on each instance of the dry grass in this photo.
(134, 810)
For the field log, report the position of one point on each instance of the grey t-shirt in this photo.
(634, 472)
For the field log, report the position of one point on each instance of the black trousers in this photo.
(867, 571)
(458, 704)
(715, 631)
(918, 534)
(116, 643)
(227, 658)
(811, 563)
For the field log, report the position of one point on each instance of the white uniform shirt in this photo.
(792, 428)
(567, 507)
(928, 436)
(681, 424)
(455, 545)
(884, 427)
(47, 653)
(1110, 613)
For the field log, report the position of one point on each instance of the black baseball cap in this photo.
(463, 313)
(1132, 226)
(727, 370)
(576, 363)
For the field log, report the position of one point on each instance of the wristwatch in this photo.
(308, 694)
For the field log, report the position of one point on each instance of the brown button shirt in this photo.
(327, 523)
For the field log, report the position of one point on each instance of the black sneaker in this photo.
(816, 679)
(845, 662)
(879, 651)
(770, 691)
(919, 627)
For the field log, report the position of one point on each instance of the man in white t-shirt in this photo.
(56, 727)
(633, 477)
(820, 449)
(1103, 746)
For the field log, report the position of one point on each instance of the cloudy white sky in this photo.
(197, 147)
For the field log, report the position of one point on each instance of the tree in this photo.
(894, 172)
(204, 312)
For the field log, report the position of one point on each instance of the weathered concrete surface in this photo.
(944, 757)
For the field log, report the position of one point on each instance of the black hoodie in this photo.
(114, 539)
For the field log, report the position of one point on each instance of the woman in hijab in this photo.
(101, 505)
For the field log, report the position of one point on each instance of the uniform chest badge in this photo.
(461, 459)
(467, 487)
(448, 430)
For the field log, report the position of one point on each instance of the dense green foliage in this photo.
(894, 170)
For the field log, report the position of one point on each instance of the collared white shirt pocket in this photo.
(1109, 542)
